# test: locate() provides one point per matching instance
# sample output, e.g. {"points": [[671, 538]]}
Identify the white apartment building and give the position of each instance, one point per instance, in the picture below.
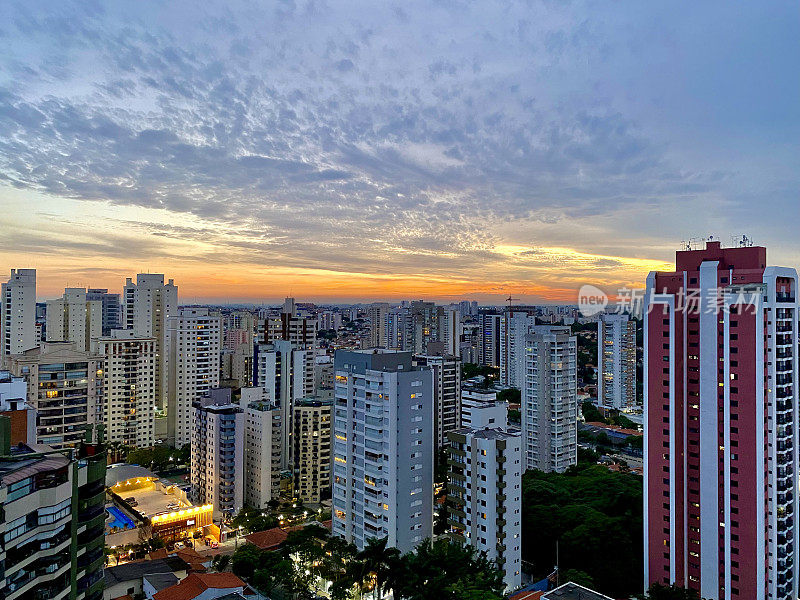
{"points": [[484, 493], [481, 408], [286, 374], [112, 309], [450, 330], [218, 450], [63, 388], [193, 360], [73, 318], [550, 399], [377, 314], [616, 361], [146, 306], [514, 326], [18, 312], [129, 387], [262, 448], [446, 389], [383, 449]]}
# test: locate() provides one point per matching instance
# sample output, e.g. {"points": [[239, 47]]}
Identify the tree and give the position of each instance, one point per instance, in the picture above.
{"points": [[442, 569], [595, 517], [254, 519], [591, 414], [246, 560], [576, 576], [381, 563], [510, 395]]}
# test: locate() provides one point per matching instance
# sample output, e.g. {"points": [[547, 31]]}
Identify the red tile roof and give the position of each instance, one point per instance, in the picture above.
{"points": [[156, 554], [526, 596], [197, 583], [269, 539]]}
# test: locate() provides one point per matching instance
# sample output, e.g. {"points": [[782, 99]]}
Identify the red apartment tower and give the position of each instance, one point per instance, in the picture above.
{"points": [[721, 456]]}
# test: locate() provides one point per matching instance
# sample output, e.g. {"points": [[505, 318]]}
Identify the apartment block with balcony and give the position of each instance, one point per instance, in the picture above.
{"points": [[18, 312], [64, 388], [384, 447], [484, 495], [720, 435], [194, 345], [446, 391], [549, 409], [616, 361], [312, 448], [128, 387], [262, 449], [52, 521], [218, 459]]}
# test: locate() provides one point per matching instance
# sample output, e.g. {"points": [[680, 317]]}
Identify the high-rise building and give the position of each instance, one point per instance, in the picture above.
{"points": [[286, 374], [450, 331], [63, 388], [147, 304], [514, 326], [378, 314], [550, 399], [481, 408], [262, 448], [18, 312], [484, 496], [193, 344], [383, 449], [312, 448], [399, 329], [289, 326], [616, 361], [112, 309], [73, 318], [218, 451], [446, 393], [52, 523], [129, 387], [489, 339], [721, 418]]}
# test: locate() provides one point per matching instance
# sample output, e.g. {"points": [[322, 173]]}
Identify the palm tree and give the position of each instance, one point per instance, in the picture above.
{"points": [[380, 563]]}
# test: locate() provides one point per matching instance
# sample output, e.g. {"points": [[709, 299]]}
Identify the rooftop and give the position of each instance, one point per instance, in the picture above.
{"points": [[573, 591], [197, 583], [137, 569]]}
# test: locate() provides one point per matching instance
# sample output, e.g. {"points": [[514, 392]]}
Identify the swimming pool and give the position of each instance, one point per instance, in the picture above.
{"points": [[120, 519]]}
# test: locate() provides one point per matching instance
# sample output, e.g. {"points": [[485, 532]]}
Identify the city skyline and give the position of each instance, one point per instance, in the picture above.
{"points": [[367, 153]]}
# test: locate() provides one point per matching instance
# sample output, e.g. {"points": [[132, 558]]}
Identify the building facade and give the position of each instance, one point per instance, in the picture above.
{"points": [[489, 339], [616, 361], [18, 312], [383, 449], [193, 361], [262, 450], [312, 448], [128, 387], [74, 318], [112, 308], [721, 452], [52, 521], [64, 388], [446, 393], [549, 409], [514, 326], [378, 314], [218, 445], [484, 496], [147, 304]]}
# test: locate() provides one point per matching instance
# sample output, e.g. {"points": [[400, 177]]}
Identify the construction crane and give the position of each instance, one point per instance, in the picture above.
{"points": [[510, 300]]}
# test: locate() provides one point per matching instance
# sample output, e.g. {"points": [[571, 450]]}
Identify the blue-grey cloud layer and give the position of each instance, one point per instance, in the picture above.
{"points": [[410, 129]]}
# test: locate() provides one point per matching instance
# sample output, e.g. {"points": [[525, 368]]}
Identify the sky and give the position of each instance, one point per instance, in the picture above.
{"points": [[349, 151]]}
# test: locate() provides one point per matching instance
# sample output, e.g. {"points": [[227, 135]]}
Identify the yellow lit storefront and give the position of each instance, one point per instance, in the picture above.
{"points": [[184, 523]]}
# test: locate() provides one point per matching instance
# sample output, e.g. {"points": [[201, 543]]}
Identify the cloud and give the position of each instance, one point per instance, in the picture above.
{"points": [[411, 138]]}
